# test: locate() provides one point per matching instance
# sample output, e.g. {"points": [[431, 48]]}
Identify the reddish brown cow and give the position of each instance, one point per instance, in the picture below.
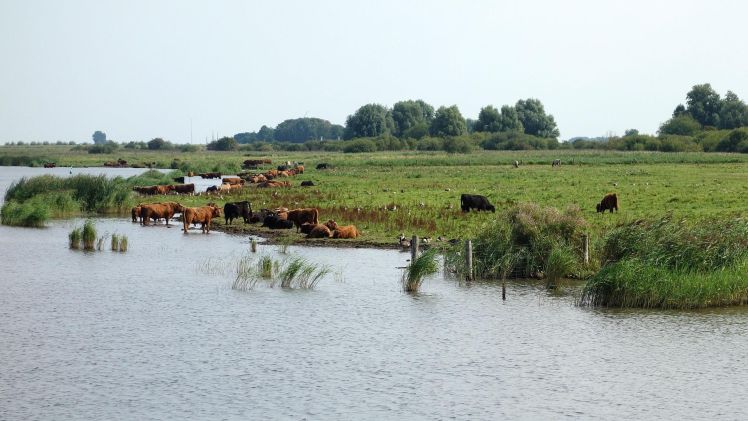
{"points": [[348, 231], [300, 216], [331, 224], [232, 180], [300, 169], [164, 189], [135, 213], [320, 231], [270, 184], [159, 210], [203, 215]]}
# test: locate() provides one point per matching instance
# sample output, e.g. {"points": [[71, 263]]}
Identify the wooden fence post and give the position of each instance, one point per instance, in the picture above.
{"points": [[586, 240], [413, 248], [469, 259]]}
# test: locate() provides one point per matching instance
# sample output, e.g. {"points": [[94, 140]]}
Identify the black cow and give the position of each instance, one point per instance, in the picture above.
{"points": [[179, 180], [307, 183], [233, 210], [475, 201], [323, 166], [211, 189], [275, 223]]}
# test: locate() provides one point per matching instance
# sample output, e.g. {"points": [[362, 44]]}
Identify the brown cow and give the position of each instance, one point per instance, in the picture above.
{"points": [[270, 184], [183, 188], [300, 169], [163, 189], [348, 231], [319, 231], [203, 215], [232, 180], [299, 216], [331, 224], [147, 190], [609, 202], [135, 213], [159, 210]]}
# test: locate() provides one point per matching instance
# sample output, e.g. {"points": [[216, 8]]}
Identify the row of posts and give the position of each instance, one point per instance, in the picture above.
{"points": [[469, 275]]}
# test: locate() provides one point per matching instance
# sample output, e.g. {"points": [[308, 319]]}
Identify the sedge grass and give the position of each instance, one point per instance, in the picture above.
{"points": [[74, 238], [423, 266], [115, 242], [88, 235], [123, 244]]}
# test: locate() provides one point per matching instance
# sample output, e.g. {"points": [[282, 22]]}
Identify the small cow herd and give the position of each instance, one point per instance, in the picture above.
{"points": [[481, 203], [305, 220]]}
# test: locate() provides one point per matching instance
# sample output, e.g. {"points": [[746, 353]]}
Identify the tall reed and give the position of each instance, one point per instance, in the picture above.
{"points": [[424, 265], [88, 235]]}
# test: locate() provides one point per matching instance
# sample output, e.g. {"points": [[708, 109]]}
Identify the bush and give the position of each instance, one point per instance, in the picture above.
{"points": [[360, 145]]}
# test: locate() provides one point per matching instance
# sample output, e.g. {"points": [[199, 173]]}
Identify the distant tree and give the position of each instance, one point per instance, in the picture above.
{"points": [[266, 134], [158, 144], [470, 124], [704, 105], [736, 141], [408, 114], [679, 110], [371, 120], [683, 125], [303, 129], [419, 131], [733, 112], [631, 132], [223, 144], [489, 120], [99, 137], [534, 119], [448, 121], [245, 137]]}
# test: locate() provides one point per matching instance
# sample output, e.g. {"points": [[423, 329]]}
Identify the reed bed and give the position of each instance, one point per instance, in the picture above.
{"points": [[668, 263], [421, 267]]}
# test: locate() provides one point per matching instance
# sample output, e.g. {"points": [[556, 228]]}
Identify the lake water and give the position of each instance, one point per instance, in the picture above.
{"points": [[152, 334]]}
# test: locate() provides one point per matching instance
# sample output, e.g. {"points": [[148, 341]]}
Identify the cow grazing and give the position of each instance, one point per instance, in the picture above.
{"points": [[233, 210], [516, 164], [232, 180], [323, 166], [609, 202], [275, 223], [165, 189], [300, 169], [319, 231], [211, 189], [556, 163], [202, 215], [475, 201], [307, 183], [159, 211], [300, 216], [183, 188], [347, 231]]}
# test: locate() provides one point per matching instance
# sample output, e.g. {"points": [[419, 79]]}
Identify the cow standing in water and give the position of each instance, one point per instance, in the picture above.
{"points": [[475, 201]]}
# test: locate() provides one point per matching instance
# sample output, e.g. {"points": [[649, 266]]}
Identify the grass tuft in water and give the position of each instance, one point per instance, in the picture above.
{"points": [[253, 246], [424, 265], [123, 243], [88, 235], [75, 237], [115, 242]]}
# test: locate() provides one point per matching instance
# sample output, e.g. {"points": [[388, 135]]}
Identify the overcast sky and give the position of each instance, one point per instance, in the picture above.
{"points": [[143, 69]]}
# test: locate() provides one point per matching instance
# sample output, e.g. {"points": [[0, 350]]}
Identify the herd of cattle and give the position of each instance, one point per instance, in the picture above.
{"points": [[306, 220]]}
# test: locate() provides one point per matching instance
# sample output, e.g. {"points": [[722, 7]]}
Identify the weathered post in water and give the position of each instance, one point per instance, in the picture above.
{"points": [[503, 290], [586, 245], [469, 260], [413, 248]]}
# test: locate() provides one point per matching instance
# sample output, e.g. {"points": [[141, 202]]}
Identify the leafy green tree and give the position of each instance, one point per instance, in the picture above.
{"points": [[704, 105], [733, 112], [419, 131], [448, 121], [223, 144], [631, 132], [158, 144], [409, 114], [303, 129], [679, 110], [683, 125], [736, 141], [245, 137], [489, 120], [534, 119], [266, 134], [371, 120], [99, 137]]}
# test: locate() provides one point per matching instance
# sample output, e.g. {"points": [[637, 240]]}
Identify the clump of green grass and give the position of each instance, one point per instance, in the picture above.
{"points": [[247, 275], [115, 242], [265, 267], [75, 237], [24, 214], [253, 246], [123, 243], [298, 272], [525, 241], [88, 235], [424, 265], [672, 264]]}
